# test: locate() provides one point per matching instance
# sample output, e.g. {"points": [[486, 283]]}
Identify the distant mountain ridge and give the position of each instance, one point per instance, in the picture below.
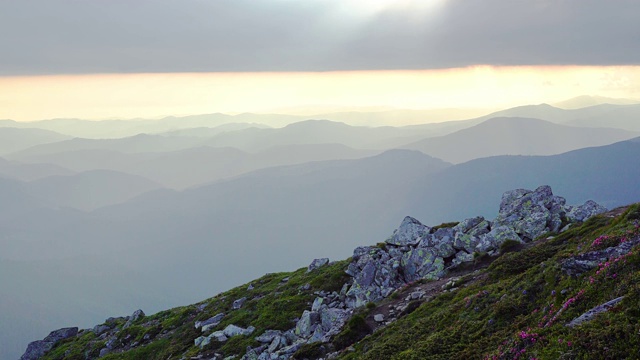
{"points": [[516, 136]]}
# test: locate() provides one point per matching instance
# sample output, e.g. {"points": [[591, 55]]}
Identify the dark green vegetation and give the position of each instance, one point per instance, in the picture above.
{"points": [[516, 308], [520, 307]]}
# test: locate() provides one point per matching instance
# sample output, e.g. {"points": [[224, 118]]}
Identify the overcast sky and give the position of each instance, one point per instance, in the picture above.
{"points": [[130, 36]]}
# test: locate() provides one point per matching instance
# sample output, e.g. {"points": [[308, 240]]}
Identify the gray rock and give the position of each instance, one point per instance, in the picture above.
{"points": [[585, 211], [275, 344], [317, 303], [218, 336], [250, 355], [238, 303], [410, 232], [591, 314], [212, 321], [317, 263], [138, 314], [37, 349], [422, 264], [268, 336], [104, 352], [378, 318], [441, 241], [461, 257], [496, 237], [233, 330], [528, 212], [332, 320], [100, 329], [199, 340], [465, 226], [580, 264], [306, 324]]}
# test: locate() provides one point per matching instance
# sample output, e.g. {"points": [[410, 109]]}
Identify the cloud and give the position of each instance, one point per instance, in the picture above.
{"points": [[122, 36]]}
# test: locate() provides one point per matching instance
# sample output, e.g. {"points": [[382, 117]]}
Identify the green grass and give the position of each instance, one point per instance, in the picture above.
{"points": [[522, 293]]}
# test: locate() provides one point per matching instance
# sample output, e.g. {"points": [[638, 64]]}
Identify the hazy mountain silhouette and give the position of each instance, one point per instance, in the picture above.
{"points": [[211, 131], [193, 166], [320, 132], [603, 115], [587, 100], [134, 144], [516, 136], [91, 189], [28, 172], [110, 129], [274, 219], [15, 139]]}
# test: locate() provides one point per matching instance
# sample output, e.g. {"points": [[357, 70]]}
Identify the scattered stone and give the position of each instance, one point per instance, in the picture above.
{"points": [[250, 287], [580, 264], [138, 314], [238, 303], [317, 263], [211, 322], [378, 318], [591, 314]]}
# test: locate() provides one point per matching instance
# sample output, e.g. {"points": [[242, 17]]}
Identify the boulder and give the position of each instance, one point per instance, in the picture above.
{"points": [[317, 263], [233, 330], [422, 264], [100, 329], [585, 211], [268, 336], [494, 238], [378, 318], [461, 257], [530, 213], [410, 232], [210, 322], [591, 314], [441, 241], [306, 324], [138, 314], [238, 303], [317, 303]]}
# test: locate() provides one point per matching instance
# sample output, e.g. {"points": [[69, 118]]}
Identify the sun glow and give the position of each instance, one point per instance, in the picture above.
{"points": [[149, 95], [376, 6]]}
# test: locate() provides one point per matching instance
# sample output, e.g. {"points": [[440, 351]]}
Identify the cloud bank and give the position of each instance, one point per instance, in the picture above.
{"points": [[120, 36]]}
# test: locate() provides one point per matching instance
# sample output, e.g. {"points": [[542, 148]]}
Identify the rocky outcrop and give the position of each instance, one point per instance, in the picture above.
{"points": [[416, 251], [37, 349]]}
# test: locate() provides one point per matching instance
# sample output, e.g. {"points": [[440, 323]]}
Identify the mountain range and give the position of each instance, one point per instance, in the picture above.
{"points": [[115, 222]]}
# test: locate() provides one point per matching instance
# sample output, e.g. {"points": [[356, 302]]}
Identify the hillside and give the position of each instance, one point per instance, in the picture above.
{"points": [[535, 282], [516, 136]]}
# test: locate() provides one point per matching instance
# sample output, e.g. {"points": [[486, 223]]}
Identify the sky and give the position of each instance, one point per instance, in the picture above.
{"points": [[120, 58]]}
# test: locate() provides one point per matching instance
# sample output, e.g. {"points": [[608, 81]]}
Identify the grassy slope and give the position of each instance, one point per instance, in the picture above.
{"points": [[501, 316], [505, 315]]}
